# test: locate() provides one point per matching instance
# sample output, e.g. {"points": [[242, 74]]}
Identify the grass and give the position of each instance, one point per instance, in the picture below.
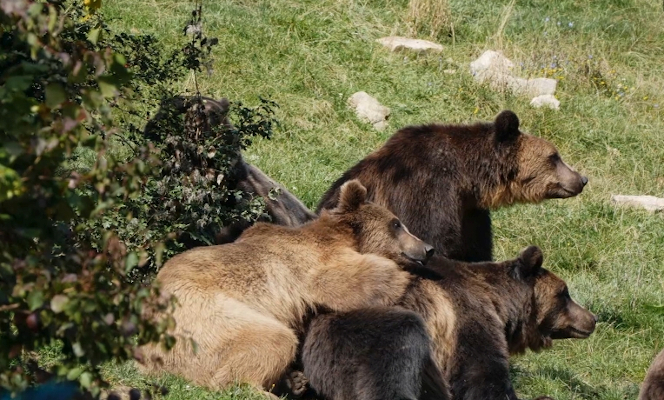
{"points": [[311, 55]]}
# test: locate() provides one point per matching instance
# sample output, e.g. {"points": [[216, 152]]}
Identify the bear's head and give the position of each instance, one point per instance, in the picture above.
{"points": [[536, 170], [554, 315], [376, 229]]}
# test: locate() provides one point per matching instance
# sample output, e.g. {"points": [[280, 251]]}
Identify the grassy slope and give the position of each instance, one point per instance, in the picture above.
{"points": [[310, 56]]}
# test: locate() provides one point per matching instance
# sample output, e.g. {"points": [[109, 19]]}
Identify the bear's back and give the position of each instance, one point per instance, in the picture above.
{"points": [[422, 175], [269, 267]]}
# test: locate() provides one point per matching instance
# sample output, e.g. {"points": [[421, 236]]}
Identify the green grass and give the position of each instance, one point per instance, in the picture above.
{"points": [[311, 55]]}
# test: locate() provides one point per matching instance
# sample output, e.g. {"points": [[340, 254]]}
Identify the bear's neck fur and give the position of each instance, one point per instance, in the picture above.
{"points": [[335, 228], [514, 303]]}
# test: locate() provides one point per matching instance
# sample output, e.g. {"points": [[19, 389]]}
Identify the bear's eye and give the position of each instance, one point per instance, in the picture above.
{"points": [[396, 224], [554, 158], [564, 293]]}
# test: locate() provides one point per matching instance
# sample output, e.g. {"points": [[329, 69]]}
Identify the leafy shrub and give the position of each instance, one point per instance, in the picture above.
{"points": [[73, 232]]}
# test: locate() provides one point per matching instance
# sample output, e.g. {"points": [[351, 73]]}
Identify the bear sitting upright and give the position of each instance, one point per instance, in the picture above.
{"points": [[245, 303], [476, 314], [441, 180]]}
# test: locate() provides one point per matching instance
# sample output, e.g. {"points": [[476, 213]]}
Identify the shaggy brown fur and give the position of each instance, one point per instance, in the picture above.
{"points": [[500, 309], [244, 303], [477, 315], [441, 180], [282, 207], [653, 385], [372, 354]]}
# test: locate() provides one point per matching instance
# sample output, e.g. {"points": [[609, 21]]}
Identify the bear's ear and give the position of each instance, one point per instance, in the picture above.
{"points": [[352, 195], [529, 262], [506, 126]]}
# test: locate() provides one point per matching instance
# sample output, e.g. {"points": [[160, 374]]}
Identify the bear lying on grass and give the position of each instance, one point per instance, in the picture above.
{"points": [[441, 180], [476, 314], [653, 385], [245, 303]]}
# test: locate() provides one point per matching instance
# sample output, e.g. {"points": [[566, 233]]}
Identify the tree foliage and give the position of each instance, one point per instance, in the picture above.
{"points": [[72, 235]]}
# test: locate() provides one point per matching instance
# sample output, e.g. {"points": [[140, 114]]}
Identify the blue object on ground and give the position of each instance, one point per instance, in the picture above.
{"points": [[47, 391]]}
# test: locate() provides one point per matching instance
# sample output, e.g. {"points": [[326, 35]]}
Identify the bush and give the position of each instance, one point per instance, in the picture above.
{"points": [[72, 233]]}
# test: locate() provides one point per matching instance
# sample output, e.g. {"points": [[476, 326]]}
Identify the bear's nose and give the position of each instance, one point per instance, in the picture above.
{"points": [[584, 180], [429, 251]]}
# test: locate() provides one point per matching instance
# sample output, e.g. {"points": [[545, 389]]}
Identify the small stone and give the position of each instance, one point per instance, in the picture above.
{"points": [[489, 65], [545, 100], [399, 43], [542, 86], [650, 203], [368, 109], [449, 71]]}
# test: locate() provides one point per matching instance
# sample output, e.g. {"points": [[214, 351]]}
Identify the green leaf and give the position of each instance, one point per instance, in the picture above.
{"points": [[85, 379], [58, 303], [92, 99], [18, 83], [35, 299], [78, 350], [107, 86], [120, 59], [93, 35], [74, 373], [131, 262], [55, 95]]}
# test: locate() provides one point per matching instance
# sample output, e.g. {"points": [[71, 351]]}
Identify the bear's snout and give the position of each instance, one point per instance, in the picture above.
{"points": [[584, 180], [577, 323], [417, 250]]}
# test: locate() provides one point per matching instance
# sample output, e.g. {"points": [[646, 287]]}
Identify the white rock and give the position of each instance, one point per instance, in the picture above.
{"points": [[398, 43], [541, 86], [491, 64], [496, 69], [449, 71], [545, 100], [650, 203], [369, 109]]}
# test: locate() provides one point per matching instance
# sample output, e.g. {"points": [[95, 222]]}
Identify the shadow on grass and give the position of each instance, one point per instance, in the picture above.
{"points": [[577, 387]]}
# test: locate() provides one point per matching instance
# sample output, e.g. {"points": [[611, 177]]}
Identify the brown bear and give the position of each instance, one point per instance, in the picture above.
{"points": [[441, 180], [476, 314], [653, 385], [282, 207], [372, 354], [245, 303]]}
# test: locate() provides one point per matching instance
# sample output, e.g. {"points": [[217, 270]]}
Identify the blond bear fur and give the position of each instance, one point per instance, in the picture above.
{"points": [[244, 303]]}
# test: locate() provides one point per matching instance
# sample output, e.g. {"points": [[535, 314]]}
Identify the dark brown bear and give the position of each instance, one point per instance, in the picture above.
{"points": [[372, 354], [282, 207], [653, 385], [476, 314], [441, 180]]}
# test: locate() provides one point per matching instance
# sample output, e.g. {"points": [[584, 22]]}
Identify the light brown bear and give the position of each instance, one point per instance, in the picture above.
{"points": [[442, 180], [245, 303]]}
